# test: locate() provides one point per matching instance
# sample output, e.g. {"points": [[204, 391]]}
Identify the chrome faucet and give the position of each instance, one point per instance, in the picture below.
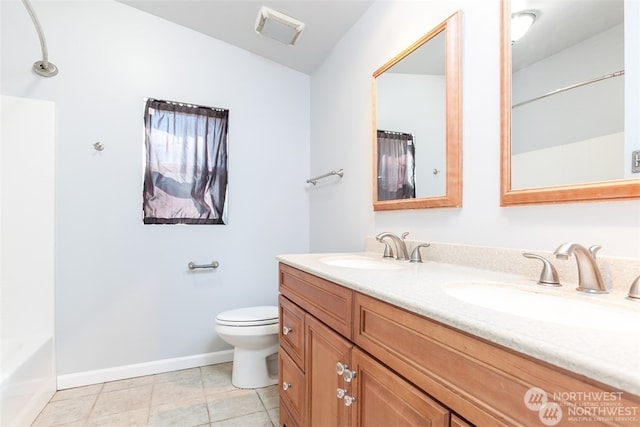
{"points": [[589, 278], [634, 290], [401, 247]]}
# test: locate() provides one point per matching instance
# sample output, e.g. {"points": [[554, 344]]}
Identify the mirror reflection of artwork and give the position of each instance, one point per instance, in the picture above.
{"points": [[396, 165], [185, 180]]}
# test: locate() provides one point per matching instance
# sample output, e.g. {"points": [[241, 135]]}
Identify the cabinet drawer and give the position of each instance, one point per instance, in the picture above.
{"points": [[292, 330], [292, 388], [483, 382], [330, 303]]}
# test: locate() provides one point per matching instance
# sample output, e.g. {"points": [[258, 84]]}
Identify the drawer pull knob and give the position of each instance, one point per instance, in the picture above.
{"points": [[286, 386], [340, 368], [349, 400], [349, 375], [341, 393], [286, 330]]}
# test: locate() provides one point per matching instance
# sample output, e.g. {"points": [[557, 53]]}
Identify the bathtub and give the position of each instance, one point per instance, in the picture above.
{"points": [[27, 379]]}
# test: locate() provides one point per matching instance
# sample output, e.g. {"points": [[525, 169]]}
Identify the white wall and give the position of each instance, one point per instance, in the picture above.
{"points": [[342, 214], [595, 159], [123, 292], [571, 116]]}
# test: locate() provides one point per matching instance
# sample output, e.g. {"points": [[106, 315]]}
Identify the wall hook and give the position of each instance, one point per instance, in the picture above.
{"points": [[99, 146]]}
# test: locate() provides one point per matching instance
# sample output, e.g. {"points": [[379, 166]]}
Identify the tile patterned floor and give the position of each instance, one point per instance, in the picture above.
{"points": [[188, 398]]}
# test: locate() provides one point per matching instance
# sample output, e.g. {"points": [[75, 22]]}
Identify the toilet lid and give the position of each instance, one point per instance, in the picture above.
{"points": [[249, 316]]}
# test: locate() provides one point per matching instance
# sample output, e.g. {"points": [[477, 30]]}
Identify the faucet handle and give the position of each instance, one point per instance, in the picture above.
{"points": [[634, 291], [593, 250], [415, 254], [388, 252], [548, 275]]}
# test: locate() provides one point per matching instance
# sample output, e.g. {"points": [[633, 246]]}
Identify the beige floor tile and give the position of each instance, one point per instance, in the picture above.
{"points": [[274, 414], [185, 413], [65, 411], [233, 404], [177, 375], [269, 396], [124, 400], [217, 384], [72, 393], [219, 369], [135, 418], [180, 389], [128, 383], [188, 398], [257, 419]]}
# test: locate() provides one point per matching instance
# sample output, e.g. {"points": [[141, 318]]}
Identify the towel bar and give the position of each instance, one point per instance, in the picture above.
{"points": [[193, 266], [313, 181]]}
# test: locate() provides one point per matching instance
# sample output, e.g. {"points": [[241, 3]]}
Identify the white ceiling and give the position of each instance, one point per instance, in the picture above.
{"points": [[233, 21], [327, 21], [560, 24]]}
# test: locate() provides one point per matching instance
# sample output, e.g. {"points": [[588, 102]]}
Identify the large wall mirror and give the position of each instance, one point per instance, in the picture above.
{"points": [[417, 121], [570, 108]]}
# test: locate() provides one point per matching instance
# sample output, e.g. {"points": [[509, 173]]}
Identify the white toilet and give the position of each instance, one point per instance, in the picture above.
{"points": [[253, 331]]}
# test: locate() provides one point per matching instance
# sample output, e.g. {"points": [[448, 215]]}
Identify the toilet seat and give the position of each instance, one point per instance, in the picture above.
{"points": [[249, 316]]}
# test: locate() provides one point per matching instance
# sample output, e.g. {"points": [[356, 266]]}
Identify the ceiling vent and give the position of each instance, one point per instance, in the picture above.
{"points": [[278, 26]]}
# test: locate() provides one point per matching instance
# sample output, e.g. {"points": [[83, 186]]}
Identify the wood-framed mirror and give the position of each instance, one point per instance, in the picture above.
{"points": [[567, 130], [417, 122]]}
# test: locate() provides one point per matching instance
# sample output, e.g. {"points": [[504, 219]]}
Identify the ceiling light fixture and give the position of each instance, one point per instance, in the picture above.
{"points": [[520, 24], [278, 26]]}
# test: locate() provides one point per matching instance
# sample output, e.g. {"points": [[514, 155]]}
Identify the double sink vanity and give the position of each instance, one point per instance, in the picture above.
{"points": [[372, 341]]}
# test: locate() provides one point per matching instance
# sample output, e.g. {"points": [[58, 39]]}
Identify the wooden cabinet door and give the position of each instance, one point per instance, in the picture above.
{"points": [[324, 349], [385, 399]]}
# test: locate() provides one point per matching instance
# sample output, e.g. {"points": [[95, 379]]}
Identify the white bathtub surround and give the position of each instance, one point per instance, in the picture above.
{"points": [[27, 376], [28, 379], [618, 273], [606, 352]]}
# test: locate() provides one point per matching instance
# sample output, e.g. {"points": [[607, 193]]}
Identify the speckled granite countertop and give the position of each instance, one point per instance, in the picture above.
{"points": [[606, 351]]}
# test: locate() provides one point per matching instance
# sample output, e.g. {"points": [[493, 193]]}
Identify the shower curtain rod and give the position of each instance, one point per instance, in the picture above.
{"points": [[43, 68], [564, 89]]}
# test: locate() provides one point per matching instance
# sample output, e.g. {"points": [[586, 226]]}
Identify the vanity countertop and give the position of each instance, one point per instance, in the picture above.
{"points": [[606, 353]]}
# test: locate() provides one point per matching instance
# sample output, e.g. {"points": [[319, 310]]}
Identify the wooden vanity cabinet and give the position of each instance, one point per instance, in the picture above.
{"points": [[409, 370], [375, 396]]}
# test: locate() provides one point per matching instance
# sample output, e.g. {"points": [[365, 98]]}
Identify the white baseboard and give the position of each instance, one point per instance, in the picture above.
{"points": [[140, 369]]}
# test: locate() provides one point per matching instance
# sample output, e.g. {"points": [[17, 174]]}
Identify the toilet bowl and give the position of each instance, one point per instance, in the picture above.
{"points": [[253, 332]]}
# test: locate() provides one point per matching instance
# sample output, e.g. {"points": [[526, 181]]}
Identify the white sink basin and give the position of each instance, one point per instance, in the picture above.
{"points": [[577, 310], [360, 262]]}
